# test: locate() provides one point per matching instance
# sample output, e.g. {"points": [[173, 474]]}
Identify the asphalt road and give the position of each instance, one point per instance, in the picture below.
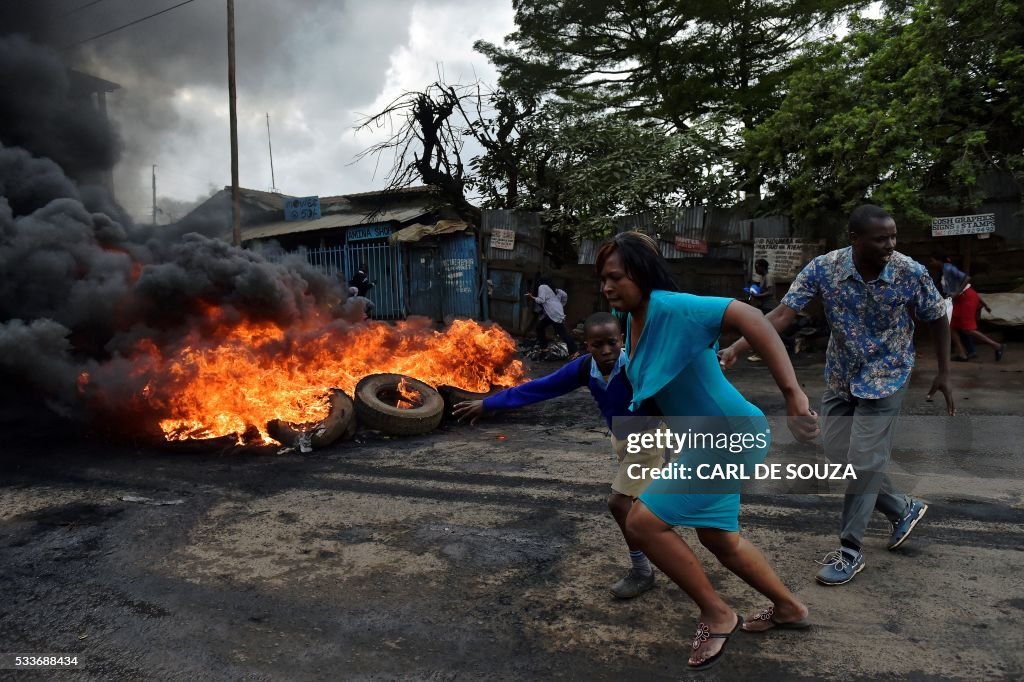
{"points": [[487, 551]]}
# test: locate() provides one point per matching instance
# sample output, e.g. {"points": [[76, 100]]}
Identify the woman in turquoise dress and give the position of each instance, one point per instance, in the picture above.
{"points": [[671, 341]]}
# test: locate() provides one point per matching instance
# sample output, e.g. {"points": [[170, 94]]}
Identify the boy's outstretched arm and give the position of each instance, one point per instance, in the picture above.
{"points": [[566, 379]]}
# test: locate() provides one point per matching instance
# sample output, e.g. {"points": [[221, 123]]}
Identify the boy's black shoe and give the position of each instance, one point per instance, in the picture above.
{"points": [[632, 585]]}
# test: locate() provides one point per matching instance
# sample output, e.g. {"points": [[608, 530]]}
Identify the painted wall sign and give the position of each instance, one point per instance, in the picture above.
{"points": [[786, 255], [376, 231], [690, 245], [980, 223], [302, 208], [503, 239], [458, 274]]}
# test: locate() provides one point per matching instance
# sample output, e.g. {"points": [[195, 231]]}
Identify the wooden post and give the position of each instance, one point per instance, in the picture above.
{"points": [[154, 194], [236, 224], [966, 244]]}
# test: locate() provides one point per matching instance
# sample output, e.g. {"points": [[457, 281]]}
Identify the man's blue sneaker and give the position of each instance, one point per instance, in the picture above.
{"points": [[901, 529], [839, 567]]}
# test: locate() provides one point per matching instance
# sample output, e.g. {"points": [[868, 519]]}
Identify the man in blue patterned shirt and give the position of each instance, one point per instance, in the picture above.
{"points": [[869, 291]]}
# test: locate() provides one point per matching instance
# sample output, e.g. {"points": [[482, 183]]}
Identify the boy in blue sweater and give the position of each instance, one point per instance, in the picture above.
{"points": [[603, 371]]}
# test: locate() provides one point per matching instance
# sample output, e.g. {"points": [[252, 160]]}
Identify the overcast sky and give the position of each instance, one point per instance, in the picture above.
{"points": [[316, 66]]}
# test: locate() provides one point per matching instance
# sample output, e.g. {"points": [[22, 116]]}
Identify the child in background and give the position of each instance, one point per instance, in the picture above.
{"points": [[602, 370], [963, 324]]}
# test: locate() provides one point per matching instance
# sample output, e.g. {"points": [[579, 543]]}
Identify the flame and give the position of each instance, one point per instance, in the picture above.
{"points": [[407, 397], [232, 377]]}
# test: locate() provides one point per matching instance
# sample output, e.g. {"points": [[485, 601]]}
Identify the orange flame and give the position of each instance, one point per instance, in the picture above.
{"points": [[251, 373], [408, 397]]}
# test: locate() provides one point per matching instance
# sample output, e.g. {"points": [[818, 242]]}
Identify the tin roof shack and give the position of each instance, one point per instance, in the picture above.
{"points": [[442, 260], [213, 216], [709, 252], [338, 234], [391, 209]]}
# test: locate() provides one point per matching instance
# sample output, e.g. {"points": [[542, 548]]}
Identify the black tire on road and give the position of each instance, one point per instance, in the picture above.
{"points": [[453, 396], [375, 409]]}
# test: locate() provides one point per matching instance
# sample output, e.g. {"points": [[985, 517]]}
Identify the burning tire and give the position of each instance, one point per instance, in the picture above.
{"points": [[397, 405], [453, 396], [339, 424]]}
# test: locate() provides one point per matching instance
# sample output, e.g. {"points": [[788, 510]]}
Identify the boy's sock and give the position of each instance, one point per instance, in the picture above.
{"points": [[850, 544], [641, 566]]}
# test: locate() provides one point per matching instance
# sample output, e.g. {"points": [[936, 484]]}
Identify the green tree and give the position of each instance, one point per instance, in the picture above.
{"points": [[682, 64], [909, 111], [581, 170]]}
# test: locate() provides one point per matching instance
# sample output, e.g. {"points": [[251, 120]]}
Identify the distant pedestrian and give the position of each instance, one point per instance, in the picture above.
{"points": [[361, 280], [868, 291], [362, 303], [553, 315], [761, 293], [966, 304], [764, 298]]}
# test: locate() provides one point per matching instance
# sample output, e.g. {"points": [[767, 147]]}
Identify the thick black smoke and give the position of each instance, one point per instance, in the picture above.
{"points": [[81, 286], [38, 111], [321, 55]]}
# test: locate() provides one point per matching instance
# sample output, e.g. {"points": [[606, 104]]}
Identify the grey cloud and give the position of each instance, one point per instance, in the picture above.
{"points": [[314, 54]]}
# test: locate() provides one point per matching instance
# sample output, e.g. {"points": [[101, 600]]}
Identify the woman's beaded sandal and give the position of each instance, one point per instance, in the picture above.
{"points": [[703, 635], [768, 616]]}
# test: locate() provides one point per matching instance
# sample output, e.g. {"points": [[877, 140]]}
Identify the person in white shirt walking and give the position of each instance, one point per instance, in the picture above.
{"points": [[553, 315]]}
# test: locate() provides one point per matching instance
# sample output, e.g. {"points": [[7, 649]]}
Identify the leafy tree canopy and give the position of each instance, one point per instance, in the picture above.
{"points": [[711, 65], [910, 111]]}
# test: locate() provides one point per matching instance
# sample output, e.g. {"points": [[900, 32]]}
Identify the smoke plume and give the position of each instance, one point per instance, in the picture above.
{"points": [[83, 288]]}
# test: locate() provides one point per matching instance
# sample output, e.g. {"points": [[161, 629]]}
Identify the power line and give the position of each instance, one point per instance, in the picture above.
{"points": [[131, 23], [72, 11]]}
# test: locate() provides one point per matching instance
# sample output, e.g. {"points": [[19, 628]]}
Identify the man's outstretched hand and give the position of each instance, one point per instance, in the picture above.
{"points": [[941, 383], [727, 357]]}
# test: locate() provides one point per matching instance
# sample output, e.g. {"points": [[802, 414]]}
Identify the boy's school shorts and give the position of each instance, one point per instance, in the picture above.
{"points": [[647, 458]]}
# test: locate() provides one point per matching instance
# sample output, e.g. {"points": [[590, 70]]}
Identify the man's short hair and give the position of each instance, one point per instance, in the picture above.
{"points": [[598, 319], [761, 262], [866, 214]]}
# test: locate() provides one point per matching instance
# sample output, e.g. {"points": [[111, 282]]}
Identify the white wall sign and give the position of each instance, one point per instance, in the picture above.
{"points": [[980, 223], [503, 239], [786, 255]]}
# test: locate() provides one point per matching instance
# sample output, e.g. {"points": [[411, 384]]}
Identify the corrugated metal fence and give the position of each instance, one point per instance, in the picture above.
{"points": [[385, 269], [459, 290], [507, 269], [698, 232]]}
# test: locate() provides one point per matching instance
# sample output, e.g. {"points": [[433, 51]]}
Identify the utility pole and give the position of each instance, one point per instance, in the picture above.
{"points": [[154, 194], [236, 225], [273, 183]]}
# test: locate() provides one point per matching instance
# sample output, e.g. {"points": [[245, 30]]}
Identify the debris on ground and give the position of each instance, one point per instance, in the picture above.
{"points": [[148, 500]]}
